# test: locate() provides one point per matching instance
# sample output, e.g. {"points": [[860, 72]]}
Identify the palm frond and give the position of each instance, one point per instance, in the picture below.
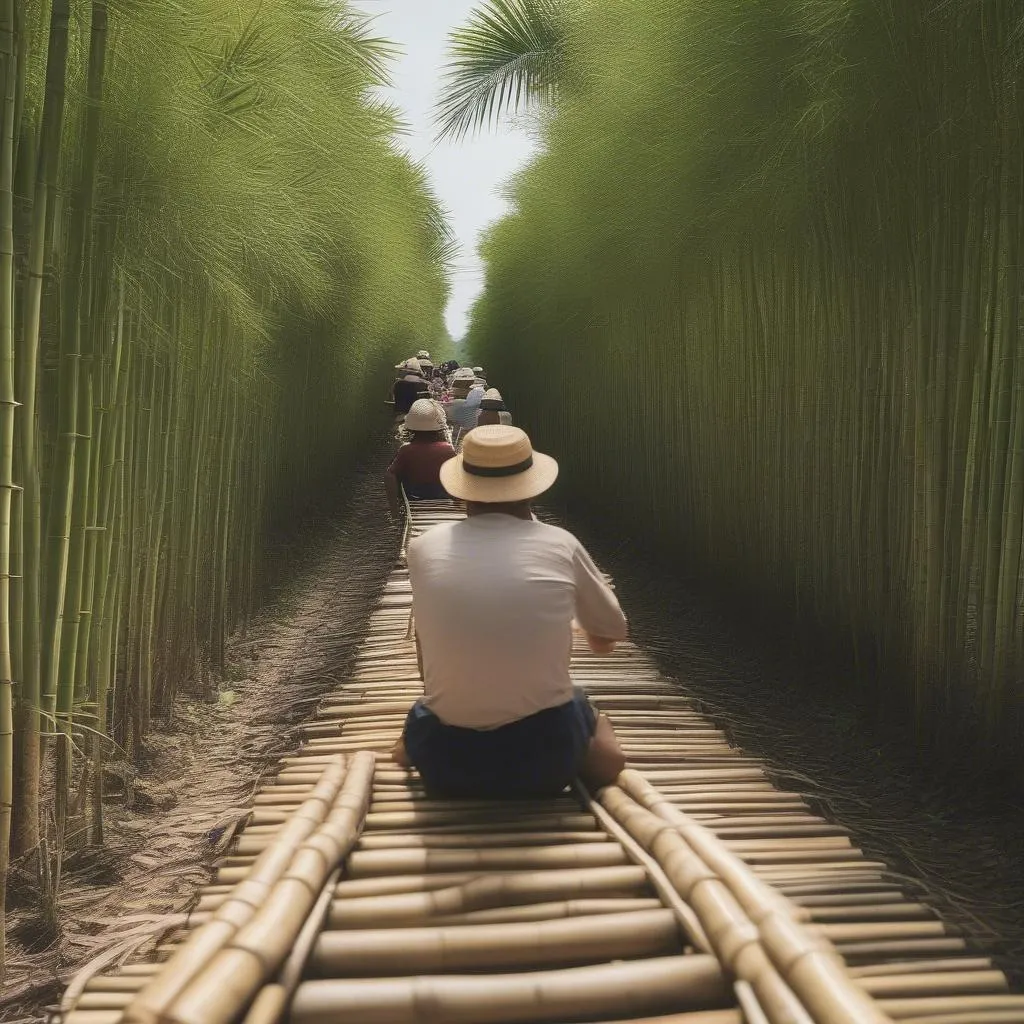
{"points": [[509, 54]]}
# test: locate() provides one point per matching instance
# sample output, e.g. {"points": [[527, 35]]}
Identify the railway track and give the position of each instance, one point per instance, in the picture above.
{"points": [[693, 892]]}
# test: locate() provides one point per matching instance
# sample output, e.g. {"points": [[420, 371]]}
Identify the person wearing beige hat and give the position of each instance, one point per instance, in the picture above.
{"points": [[426, 364], [495, 596], [409, 385], [417, 466], [492, 410]]}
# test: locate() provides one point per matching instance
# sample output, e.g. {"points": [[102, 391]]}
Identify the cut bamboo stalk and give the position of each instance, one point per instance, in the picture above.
{"points": [[478, 840], [404, 862], [806, 963], [153, 1002], [551, 911], [966, 963], [229, 982], [699, 1017], [634, 988], [934, 984], [496, 946], [915, 1009]]}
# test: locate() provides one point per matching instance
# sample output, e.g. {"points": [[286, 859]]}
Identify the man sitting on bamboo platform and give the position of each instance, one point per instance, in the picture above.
{"points": [[494, 598]]}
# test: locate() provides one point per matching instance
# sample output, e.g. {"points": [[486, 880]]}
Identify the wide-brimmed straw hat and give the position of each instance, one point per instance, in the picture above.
{"points": [[423, 354], [424, 414], [464, 373], [498, 464]]}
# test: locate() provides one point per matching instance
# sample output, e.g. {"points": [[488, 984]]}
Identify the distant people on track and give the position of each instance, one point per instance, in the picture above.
{"points": [[463, 408], [417, 466], [408, 387], [426, 366], [493, 411], [495, 597]]}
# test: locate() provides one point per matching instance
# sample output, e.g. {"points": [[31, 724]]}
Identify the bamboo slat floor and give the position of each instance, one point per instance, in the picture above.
{"points": [[693, 892]]}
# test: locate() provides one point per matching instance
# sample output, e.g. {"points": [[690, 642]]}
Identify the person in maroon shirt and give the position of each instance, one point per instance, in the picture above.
{"points": [[417, 466]]}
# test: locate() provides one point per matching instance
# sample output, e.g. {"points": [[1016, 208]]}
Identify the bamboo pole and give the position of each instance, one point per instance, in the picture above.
{"points": [[9, 79], [231, 979], [476, 947], [156, 999], [38, 689], [743, 918], [640, 987]]}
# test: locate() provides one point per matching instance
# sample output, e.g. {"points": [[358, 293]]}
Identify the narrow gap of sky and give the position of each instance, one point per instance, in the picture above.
{"points": [[466, 175]]}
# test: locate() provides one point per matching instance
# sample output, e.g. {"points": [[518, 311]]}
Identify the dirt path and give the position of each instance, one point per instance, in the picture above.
{"points": [[204, 769]]}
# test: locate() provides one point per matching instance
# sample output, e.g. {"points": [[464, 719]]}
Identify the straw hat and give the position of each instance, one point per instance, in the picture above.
{"points": [[464, 373], [492, 400], [498, 463], [423, 354], [424, 414]]}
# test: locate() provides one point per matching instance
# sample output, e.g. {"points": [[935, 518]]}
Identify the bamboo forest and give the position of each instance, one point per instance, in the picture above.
{"points": [[304, 304]]}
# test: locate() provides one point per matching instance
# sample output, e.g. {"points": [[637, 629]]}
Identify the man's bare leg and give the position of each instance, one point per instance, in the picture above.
{"points": [[604, 758]]}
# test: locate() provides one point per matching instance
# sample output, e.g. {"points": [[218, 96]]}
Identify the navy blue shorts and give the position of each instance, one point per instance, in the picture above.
{"points": [[537, 756]]}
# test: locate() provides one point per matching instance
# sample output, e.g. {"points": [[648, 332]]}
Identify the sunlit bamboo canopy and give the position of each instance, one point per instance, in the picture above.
{"points": [[760, 291], [211, 242]]}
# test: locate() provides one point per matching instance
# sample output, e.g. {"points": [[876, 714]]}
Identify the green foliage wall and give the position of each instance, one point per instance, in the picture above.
{"points": [[760, 293], [209, 244]]}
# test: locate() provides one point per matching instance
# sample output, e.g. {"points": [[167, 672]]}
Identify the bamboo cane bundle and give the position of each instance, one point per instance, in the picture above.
{"points": [[734, 933], [241, 906], [275, 888], [233, 977]]}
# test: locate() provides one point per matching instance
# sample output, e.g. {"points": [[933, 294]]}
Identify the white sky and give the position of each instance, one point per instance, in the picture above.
{"points": [[467, 175]]}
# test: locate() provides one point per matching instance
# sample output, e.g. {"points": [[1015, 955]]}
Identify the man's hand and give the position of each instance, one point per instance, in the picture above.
{"points": [[600, 644]]}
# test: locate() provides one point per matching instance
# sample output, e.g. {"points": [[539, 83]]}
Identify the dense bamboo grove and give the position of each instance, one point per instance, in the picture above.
{"points": [[761, 293], [208, 244]]}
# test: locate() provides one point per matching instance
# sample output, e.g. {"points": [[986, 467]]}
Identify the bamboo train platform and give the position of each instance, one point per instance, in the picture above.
{"points": [[692, 892]]}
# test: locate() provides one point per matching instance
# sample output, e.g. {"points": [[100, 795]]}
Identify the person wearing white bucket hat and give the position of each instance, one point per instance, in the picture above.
{"points": [[494, 600], [417, 466]]}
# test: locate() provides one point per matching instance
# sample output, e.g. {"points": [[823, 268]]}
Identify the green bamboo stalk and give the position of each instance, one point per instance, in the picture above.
{"points": [[153, 538], [36, 656], [9, 78], [104, 604], [70, 500]]}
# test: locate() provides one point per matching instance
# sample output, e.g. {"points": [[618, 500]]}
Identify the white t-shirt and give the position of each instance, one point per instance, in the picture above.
{"points": [[494, 598]]}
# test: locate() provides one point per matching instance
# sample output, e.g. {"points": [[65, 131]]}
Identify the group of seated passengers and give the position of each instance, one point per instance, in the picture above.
{"points": [[436, 416], [496, 598]]}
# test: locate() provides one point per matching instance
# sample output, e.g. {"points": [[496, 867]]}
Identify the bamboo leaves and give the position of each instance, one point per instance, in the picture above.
{"points": [[782, 241], [210, 204], [510, 53]]}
